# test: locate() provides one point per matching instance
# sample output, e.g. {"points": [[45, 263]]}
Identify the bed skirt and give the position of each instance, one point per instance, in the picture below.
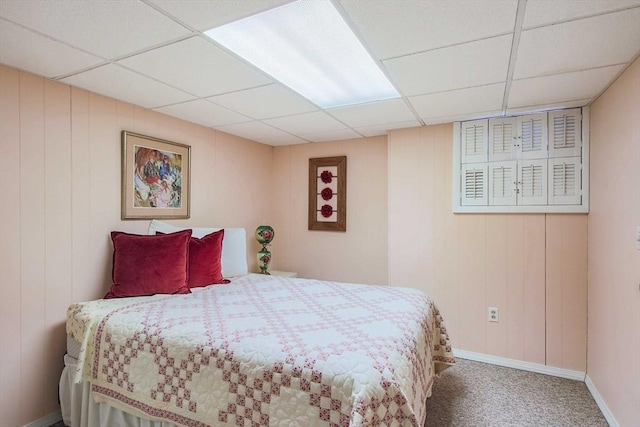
{"points": [[79, 409]]}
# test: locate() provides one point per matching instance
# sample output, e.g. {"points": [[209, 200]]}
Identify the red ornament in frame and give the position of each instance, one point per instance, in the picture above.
{"points": [[328, 193]]}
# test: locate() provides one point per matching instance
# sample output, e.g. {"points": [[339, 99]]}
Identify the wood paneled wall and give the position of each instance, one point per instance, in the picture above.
{"points": [[357, 255], [614, 260], [531, 266], [60, 187]]}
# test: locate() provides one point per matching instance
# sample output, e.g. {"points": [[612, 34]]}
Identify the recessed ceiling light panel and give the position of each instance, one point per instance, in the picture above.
{"points": [[309, 47]]}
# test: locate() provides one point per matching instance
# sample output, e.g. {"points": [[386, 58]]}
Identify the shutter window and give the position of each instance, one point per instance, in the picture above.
{"points": [[474, 141], [502, 133], [474, 185], [531, 163], [533, 136], [565, 133], [502, 188], [532, 182], [565, 176]]}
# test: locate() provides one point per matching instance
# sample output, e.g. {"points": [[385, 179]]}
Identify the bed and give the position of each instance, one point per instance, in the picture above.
{"points": [[258, 351]]}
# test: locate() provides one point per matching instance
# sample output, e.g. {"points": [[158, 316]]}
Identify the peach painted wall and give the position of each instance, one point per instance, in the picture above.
{"points": [[614, 261], [360, 253], [531, 266], [60, 187], [60, 183]]}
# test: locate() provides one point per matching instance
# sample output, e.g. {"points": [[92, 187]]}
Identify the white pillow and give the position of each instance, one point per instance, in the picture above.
{"points": [[234, 245]]}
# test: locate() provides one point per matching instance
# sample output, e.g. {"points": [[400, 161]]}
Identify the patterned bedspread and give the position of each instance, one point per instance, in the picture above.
{"points": [[265, 351]]}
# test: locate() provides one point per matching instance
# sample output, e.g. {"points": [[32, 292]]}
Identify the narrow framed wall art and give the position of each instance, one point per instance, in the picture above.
{"points": [[328, 193], [155, 177]]}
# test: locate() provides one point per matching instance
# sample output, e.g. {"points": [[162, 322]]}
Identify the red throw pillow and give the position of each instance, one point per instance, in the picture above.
{"points": [[148, 265], [205, 260]]}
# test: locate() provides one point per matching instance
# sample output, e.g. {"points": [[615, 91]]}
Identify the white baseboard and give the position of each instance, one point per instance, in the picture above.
{"points": [[519, 364], [47, 420], [603, 406]]}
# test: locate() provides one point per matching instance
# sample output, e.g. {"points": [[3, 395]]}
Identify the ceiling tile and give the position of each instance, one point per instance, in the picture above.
{"points": [[102, 27], [461, 117], [459, 102], [285, 139], [210, 70], [395, 110], [384, 129], [44, 53], [592, 42], [206, 14], [116, 82], [561, 87], [391, 28], [334, 135], [306, 123], [544, 12], [449, 59], [203, 112], [471, 64], [254, 130], [265, 102], [547, 107]]}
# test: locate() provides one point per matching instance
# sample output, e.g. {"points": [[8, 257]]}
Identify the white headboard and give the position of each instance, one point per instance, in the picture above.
{"points": [[234, 245]]}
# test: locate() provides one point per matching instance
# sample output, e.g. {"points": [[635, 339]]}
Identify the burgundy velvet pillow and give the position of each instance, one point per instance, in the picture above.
{"points": [[148, 265], [205, 260]]}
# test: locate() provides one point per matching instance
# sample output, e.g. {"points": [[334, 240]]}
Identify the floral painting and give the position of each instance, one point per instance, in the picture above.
{"points": [[155, 177]]}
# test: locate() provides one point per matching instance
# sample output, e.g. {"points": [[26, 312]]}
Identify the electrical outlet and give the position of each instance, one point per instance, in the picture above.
{"points": [[493, 314]]}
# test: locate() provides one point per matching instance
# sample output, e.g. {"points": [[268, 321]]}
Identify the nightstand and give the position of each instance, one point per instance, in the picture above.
{"points": [[283, 273]]}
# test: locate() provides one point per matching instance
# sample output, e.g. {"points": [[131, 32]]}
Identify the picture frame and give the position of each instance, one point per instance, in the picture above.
{"points": [[156, 178], [328, 193]]}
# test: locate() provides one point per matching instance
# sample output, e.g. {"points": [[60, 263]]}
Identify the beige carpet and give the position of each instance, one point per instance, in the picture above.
{"points": [[477, 394]]}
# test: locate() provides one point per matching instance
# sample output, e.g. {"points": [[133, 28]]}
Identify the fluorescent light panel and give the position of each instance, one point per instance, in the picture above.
{"points": [[309, 47]]}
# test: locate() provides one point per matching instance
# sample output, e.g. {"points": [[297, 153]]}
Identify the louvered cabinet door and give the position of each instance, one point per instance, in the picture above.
{"points": [[474, 136], [474, 183], [532, 182], [565, 178], [532, 163], [532, 136], [565, 133], [502, 139], [502, 183]]}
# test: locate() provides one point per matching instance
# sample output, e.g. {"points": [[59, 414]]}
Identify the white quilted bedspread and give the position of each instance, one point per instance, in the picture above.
{"points": [[265, 351]]}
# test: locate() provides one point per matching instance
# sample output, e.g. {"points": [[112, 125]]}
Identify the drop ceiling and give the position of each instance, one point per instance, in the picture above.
{"points": [[450, 60]]}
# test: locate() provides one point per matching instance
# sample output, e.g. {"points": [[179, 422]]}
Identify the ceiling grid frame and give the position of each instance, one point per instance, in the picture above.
{"points": [[59, 31]]}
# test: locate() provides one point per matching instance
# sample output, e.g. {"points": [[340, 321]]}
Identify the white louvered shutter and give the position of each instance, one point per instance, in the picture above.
{"points": [[565, 178], [474, 138], [565, 133], [474, 185], [532, 182], [532, 136], [531, 163], [502, 183], [502, 138]]}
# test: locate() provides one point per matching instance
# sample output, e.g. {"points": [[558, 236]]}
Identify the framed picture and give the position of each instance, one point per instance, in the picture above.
{"points": [[328, 193], [155, 177]]}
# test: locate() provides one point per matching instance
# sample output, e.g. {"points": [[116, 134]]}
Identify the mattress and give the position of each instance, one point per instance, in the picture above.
{"points": [[262, 350]]}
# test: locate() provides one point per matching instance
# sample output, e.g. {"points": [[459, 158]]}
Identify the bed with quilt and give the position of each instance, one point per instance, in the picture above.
{"points": [[256, 350]]}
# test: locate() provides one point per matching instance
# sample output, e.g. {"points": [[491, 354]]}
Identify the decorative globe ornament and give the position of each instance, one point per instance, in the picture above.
{"points": [[264, 236]]}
